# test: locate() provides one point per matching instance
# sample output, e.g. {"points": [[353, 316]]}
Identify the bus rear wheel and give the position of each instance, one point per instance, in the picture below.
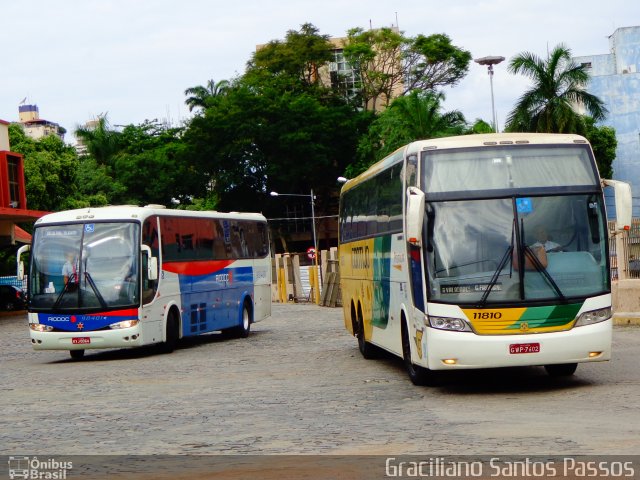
{"points": [[367, 350], [242, 330], [561, 370], [76, 354]]}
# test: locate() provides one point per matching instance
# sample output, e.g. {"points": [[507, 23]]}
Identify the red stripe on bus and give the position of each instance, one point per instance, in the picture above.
{"points": [[129, 312], [196, 268]]}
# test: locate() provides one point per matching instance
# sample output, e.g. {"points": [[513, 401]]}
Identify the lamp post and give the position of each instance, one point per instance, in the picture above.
{"points": [[490, 62], [313, 224]]}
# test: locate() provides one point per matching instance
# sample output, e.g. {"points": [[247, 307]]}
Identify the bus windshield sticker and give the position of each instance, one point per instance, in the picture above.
{"points": [[469, 288], [89, 228], [60, 233], [524, 205]]}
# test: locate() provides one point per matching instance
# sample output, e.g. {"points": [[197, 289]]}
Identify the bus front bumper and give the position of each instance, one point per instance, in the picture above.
{"points": [[463, 350], [117, 338]]}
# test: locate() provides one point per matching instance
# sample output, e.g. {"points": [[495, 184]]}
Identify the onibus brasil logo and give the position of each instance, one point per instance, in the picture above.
{"points": [[34, 468]]}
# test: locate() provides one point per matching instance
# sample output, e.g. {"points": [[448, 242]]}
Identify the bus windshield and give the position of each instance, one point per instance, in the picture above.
{"points": [[507, 167], [513, 249], [85, 266]]}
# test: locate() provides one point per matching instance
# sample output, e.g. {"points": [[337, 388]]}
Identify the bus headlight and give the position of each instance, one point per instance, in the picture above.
{"points": [[39, 327], [449, 323], [124, 324], [593, 316]]}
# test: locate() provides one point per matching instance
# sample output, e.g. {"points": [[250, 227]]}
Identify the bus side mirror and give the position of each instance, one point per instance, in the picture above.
{"points": [[415, 215], [622, 192], [20, 263], [152, 263]]}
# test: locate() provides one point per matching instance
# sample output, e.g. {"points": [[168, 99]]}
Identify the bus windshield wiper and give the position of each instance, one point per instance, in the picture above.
{"points": [[91, 283], [494, 279], [505, 258], [94, 287], [541, 268]]}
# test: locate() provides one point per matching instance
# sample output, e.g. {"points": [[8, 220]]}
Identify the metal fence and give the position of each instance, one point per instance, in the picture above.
{"points": [[13, 280], [630, 256]]}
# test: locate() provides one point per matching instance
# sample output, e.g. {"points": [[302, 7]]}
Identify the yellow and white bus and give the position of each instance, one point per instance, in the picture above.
{"points": [[433, 237]]}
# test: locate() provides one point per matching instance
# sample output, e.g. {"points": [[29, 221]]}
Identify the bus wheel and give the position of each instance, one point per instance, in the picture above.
{"points": [[417, 374], [561, 370], [76, 354], [173, 334], [242, 330], [367, 350]]}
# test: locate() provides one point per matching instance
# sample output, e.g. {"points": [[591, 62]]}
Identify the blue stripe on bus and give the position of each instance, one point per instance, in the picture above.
{"points": [[86, 322], [214, 302]]}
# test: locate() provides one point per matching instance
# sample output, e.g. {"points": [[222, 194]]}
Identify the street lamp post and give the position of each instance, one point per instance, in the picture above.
{"points": [[490, 62], [313, 223]]}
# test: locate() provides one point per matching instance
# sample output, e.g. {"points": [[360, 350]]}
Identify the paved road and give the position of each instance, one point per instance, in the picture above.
{"points": [[298, 385]]}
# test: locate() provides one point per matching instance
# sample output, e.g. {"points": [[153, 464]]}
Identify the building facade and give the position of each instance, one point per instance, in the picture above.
{"points": [[36, 127], [13, 198], [615, 79]]}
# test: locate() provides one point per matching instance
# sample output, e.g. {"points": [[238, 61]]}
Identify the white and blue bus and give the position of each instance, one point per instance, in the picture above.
{"points": [[480, 251], [125, 276]]}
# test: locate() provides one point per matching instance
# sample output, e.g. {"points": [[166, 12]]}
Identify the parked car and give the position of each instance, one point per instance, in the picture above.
{"points": [[12, 298]]}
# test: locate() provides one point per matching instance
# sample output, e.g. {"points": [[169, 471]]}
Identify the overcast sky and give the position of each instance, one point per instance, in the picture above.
{"points": [[133, 59]]}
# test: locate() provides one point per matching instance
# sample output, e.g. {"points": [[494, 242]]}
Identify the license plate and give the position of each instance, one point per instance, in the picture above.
{"points": [[524, 348], [81, 340]]}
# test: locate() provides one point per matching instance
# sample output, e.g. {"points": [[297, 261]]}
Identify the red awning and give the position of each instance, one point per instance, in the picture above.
{"points": [[22, 236]]}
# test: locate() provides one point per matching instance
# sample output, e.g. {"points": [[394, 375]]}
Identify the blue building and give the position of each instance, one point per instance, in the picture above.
{"points": [[615, 79]]}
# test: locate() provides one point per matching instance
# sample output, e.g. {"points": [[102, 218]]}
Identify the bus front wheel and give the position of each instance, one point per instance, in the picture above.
{"points": [[561, 370], [172, 333], [76, 354], [418, 375]]}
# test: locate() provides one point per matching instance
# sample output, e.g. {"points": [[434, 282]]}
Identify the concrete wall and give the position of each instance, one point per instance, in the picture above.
{"points": [[625, 297], [4, 135]]}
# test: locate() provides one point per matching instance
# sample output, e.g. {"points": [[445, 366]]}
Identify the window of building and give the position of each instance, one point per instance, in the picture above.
{"points": [[14, 182]]}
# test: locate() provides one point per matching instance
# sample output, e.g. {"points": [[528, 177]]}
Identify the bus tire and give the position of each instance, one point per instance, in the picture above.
{"points": [[367, 350], [418, 375], [76, 354], [561, 370], [172, 333], [242, 330]]}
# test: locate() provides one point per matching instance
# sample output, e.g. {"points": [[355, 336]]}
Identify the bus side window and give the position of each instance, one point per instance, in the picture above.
{"points": [[149, 287]]}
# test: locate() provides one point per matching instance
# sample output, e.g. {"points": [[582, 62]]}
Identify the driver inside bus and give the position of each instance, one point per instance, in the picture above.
{"points": [[70, 269], [543, 240], [540, 248]]}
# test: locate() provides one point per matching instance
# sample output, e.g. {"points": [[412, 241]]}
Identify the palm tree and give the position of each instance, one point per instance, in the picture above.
{"points": [[101, 141], [417, 116], [200, 96], [421, 116], [558, 89]]}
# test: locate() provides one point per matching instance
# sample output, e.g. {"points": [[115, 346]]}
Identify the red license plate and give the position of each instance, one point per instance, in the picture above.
{"points": [[524, 348], [81, 340]]}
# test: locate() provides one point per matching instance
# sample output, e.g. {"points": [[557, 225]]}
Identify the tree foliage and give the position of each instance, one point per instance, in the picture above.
{"points": [[50, 168], [604, 143], [299, 56], [558, 88], [200, 97], [418, 116], [264, 137], [433, 61], [390, 64]]}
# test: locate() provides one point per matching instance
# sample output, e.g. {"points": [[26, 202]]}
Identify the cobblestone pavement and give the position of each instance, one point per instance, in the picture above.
{"points": [[298, 385]]}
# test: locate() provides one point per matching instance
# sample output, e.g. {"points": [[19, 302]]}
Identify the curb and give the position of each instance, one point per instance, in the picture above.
{"points": [[626, 318]]}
